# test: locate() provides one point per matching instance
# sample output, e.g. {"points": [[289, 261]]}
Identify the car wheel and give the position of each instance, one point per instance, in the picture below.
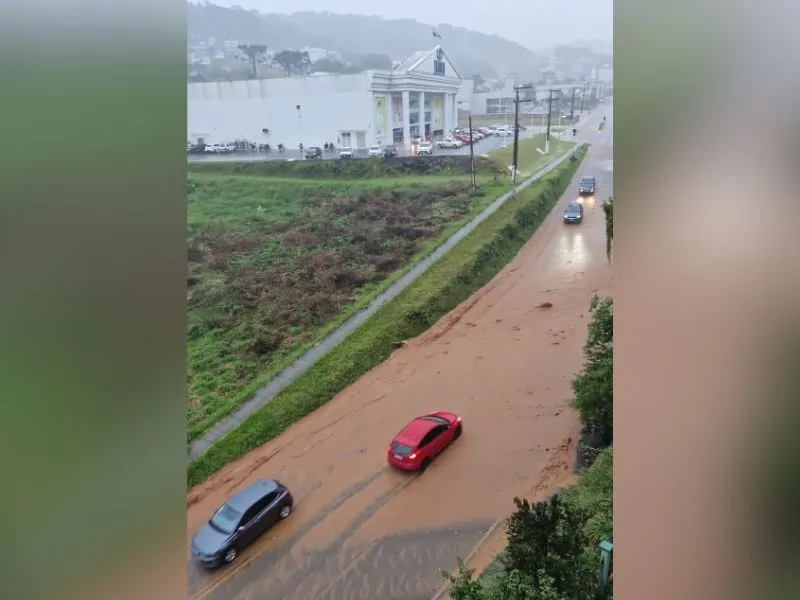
{"points": [[230, 555], [286, 510], [457, 433], [426, 462]]}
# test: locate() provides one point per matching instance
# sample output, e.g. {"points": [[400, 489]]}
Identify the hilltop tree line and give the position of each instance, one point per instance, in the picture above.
{"points": [[298, 62], [553, 546]]}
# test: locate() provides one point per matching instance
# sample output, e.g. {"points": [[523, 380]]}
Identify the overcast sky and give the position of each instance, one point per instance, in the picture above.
{"points": [[536, 24]]}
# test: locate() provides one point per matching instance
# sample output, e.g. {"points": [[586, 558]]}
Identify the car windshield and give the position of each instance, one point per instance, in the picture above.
{"points": [[436, 419], [573, 209], [400, 449], [587, 180], [225, 519], [374, 147]]}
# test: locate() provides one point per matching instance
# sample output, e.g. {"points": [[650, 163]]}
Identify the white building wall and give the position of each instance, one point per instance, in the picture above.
{"points": [[225, 111]]}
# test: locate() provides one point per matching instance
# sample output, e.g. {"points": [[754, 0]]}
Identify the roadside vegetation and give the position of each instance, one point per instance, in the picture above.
{"points": [[275, 264], [608, 211], [553, 546], [529, 159], [467, 267], [336, 170]]}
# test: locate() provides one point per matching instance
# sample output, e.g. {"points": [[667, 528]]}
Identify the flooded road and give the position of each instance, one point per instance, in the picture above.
{"points": [[503, 360]]}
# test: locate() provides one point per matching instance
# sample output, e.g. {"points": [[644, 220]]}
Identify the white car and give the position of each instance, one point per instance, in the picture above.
{"points": [[375, 151], [346, 153], [425, 148], [450, 143], [213, 148], [225, 148]]}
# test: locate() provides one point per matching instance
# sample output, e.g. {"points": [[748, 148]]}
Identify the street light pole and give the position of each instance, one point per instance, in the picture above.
{"points": [[572, 108], [471, 153], [517, 88], [549, 114]]}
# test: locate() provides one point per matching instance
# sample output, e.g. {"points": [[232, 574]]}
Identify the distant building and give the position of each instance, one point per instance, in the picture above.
{"points": [[417, 98]]}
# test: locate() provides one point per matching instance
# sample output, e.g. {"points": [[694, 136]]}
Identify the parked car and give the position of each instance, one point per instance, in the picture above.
{"points": [[240, 521], [423, 439], [346, 152], [464, 139], [587, 185], [573, 213], [213, 148], [313, 152], [197, 149], [450, 143], [425, 149], [375, 151], [389, 150], [227, 148]]}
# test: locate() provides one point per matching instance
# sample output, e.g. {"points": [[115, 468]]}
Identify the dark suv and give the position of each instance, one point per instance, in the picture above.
{"points": [[390, 150], [240, 521], [587, 185], [573, 213], [313, 152]]}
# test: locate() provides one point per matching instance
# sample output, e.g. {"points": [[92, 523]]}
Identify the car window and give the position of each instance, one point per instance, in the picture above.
{"points": [[432, 435], [401, 449], [264, 503], [226, 519], [435, 419]]}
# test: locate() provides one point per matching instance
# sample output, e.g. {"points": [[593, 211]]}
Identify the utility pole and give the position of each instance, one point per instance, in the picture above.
{"points": [[572, 108], [517, 88], [471, 154], [583, 97], [549, 114]]}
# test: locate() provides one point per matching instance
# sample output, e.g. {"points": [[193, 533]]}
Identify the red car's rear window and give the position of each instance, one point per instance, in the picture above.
{"points": [[400, 449]]}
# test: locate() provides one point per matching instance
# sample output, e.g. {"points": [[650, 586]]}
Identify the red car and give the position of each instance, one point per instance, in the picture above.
{"points": [[463, 138], [422, 440]]}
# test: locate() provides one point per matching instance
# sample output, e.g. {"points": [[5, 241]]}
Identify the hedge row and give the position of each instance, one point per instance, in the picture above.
{"points": [[352, 169], [456, 276]]}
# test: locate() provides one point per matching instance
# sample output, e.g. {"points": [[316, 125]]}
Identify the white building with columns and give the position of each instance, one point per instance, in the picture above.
{"points": [[416, 99]]}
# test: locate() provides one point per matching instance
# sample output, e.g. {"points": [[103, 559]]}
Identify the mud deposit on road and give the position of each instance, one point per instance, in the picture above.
{"points": [[363, 530]]}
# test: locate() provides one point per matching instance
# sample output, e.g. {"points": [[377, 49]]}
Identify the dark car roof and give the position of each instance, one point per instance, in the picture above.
{"points": [[245, 498], [572, 206]]}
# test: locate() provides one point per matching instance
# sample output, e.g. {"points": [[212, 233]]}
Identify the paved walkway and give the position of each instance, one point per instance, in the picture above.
{"points": [[301, 365]]}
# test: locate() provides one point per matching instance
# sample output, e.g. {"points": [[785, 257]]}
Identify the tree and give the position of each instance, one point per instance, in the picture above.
{"points": [[293, 61], [462, 585], [255, 54], [329, 65], [548, 538], [594, 385], [608, 209], [380, 62]]}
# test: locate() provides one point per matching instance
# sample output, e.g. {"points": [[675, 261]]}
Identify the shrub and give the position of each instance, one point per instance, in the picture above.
{"points": [[594, 385]]}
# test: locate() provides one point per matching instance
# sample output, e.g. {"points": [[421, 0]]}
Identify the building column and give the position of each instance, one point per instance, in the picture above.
{"points": [[452, 122], [455, 110], [406, 121], [422, 115], [447, 118]]}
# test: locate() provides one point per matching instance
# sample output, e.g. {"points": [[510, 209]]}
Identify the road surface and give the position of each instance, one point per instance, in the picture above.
{"points": [[503, 361]]}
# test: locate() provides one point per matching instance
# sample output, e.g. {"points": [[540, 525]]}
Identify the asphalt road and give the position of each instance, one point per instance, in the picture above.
{"points": [[503, 361], [481, 147]]}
